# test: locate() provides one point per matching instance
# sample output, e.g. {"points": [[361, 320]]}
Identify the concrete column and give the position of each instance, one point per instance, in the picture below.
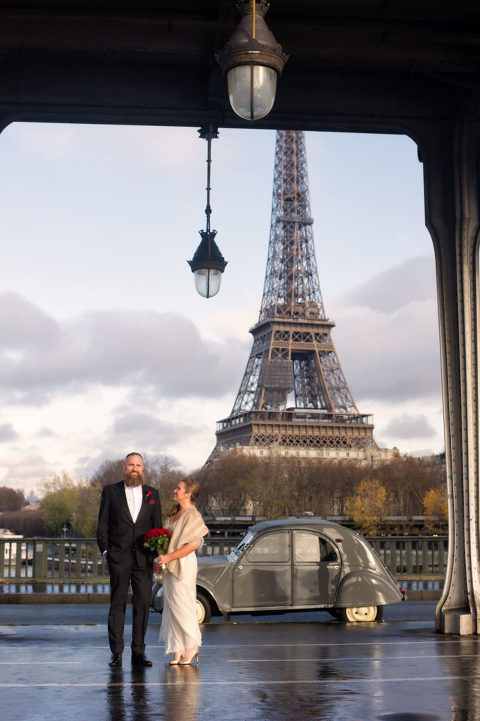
{"points": [[451, 164]]}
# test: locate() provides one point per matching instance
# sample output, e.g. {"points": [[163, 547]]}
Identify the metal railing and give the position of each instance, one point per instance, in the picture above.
{"points": [[46, 559], [412, 556], [74, 560]]}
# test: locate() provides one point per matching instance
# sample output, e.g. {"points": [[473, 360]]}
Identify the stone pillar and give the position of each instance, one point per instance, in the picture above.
{"points": [[451, 164]]}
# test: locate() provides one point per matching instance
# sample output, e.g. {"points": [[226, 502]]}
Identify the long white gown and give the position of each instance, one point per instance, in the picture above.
{"points": [[180, 629]]}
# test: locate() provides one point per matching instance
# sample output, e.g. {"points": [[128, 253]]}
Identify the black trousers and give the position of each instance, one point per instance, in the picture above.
{"points": [[121, 576]]}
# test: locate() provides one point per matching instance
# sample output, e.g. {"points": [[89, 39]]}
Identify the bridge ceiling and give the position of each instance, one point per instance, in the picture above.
{"points": [[354, 64]]}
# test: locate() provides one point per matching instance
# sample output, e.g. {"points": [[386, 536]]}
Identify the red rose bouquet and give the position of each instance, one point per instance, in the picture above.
{"points": [[157, 540]]}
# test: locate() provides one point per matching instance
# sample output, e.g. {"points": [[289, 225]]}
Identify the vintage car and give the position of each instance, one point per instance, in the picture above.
{"points": [[294, 564]]}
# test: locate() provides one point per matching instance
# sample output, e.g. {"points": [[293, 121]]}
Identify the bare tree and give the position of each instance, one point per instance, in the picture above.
{"points": [[108, 472], [11, 499], [238, 484]]}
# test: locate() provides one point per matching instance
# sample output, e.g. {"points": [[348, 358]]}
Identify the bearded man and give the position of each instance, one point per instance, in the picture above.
{"points": [[128, 510]]}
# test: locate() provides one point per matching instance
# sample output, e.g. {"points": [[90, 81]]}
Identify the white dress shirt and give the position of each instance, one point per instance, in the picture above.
{"points": [[134, 496]]}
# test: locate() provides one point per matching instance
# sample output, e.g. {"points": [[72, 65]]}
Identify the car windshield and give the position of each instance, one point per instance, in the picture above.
{"points": [[240, 547]]}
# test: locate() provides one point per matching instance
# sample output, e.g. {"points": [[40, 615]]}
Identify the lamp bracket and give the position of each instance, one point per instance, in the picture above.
{"points": [[245, 7], [247, 48], [252, 53], [208, 131]]}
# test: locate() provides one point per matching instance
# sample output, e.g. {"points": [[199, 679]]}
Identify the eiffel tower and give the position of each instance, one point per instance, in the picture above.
{"points": [[294, 398]]}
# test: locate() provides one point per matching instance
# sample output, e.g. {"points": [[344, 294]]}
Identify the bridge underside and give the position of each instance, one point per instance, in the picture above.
{"points": [[401, 67]]}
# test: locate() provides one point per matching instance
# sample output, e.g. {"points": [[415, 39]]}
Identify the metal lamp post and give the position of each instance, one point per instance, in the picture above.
{"points": [[208, 263]]}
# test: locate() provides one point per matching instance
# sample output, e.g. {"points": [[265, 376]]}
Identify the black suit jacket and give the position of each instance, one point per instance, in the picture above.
{"points": [[116, 531]]}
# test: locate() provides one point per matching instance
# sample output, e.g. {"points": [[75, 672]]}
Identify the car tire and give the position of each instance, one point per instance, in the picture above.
{"points": [[335, 612], [360, 614], [202, 605], [157, 597], [203, 608]]}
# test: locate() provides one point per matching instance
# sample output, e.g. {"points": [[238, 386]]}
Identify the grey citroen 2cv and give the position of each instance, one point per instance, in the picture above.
{"points": [[294, 564]]}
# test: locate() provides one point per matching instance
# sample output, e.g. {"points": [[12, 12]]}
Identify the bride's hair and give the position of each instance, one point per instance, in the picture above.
{"points": [[192, 487]]}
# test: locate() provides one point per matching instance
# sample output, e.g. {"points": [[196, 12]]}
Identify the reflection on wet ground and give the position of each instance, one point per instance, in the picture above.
{"points": [[53, 588], [391, 671], [73, 587]]}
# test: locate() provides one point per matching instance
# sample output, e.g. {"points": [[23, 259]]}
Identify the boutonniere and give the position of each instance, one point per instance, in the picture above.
{"points": [[150, 499]]}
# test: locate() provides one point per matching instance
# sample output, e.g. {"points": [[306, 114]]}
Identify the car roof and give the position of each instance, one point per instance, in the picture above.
{"points": [[309, 521]]}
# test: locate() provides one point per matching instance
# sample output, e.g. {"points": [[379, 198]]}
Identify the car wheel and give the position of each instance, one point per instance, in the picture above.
{"points": [[203, 608], [361, 613], [335, 612], [157, 597]]}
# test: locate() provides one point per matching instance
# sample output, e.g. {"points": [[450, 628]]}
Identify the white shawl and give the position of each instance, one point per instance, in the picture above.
{"points": [[189, 528]]}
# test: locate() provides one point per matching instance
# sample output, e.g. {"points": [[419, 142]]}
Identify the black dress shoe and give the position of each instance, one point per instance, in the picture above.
{"points": [[139, 659], [115, 660]]}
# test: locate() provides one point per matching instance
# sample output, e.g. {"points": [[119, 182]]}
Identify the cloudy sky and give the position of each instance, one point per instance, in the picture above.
{"points": [[105, 346]]}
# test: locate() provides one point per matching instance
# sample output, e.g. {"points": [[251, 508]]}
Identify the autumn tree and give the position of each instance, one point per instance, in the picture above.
{"points": [[70, 504], [406, 481], [274, 486], [368, 506], [75, 504], [435, 504], [84, 519], [58, 502]]}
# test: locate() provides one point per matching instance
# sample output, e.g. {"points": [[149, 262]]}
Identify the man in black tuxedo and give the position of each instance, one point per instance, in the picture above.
{"points": [[128, 510]]}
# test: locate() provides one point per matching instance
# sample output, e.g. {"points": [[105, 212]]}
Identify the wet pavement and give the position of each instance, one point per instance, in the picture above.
{"points": [[253, 670]]}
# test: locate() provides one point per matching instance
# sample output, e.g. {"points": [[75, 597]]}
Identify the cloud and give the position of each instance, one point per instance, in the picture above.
{"points": [[409, 426], [392, 357], [26, 470], [413, 280], [162, 351], [387, 335], [24, 326], [141, 430], [423, 452], [86, 466], [7, 432], [45, 433]]}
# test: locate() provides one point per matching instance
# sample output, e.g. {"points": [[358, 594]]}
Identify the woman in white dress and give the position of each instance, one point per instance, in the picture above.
{"points": [[180, 630]]}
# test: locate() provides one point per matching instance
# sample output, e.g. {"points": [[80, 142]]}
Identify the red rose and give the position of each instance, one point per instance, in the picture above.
{"points": [[157, 540]]}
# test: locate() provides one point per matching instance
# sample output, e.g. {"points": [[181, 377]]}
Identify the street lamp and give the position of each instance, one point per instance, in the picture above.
{"points": [[208, 263], [252, 61]]}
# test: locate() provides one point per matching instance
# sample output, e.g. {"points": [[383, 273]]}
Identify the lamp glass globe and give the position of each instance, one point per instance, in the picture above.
{"points": [[207, 281], [251, 89]]}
